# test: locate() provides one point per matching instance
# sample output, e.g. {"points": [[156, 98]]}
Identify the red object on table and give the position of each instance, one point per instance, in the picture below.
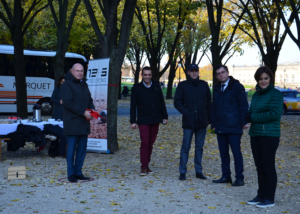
{"points": [[13, 118], [93, 113]]}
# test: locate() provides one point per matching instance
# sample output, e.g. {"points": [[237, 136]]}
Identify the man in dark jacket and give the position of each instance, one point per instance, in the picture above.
{"points": [[193, 101], [76, 98], [229, 107], [148, 99]]}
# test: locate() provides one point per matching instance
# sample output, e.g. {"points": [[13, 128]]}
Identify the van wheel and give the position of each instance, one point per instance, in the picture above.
{"points": [[284, 110], [46, 106]]}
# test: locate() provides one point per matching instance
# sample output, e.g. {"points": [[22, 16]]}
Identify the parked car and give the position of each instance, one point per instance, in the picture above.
{"points": [[291, 101]]}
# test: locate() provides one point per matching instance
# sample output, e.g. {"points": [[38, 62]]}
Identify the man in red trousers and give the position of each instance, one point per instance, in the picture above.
{"points": [[147, 98]]}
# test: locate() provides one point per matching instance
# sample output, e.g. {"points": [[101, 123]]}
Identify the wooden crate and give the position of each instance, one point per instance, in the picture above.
{"points": [[16, 172]]}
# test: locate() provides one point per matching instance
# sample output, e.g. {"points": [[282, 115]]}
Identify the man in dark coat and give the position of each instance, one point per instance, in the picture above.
{"points": [[148, 99], [229, 107], [193, 101], [76, 98]]}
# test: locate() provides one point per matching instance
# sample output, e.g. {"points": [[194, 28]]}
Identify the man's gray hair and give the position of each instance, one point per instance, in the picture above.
{"points": [[76, 64]]}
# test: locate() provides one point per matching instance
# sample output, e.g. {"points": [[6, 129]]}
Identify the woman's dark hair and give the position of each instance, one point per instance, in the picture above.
{"points": [[218, 67], [60, 79], [266, 70]]}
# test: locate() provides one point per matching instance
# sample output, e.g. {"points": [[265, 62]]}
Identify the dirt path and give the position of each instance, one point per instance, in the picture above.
{"points": [[118, 188]]}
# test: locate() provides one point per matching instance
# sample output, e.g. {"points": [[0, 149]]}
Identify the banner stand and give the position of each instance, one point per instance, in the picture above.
{"points": [[97, 80]]}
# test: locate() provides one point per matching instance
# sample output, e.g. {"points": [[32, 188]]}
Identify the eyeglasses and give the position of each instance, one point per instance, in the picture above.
{"points": [[79, 71], [221, 73]]}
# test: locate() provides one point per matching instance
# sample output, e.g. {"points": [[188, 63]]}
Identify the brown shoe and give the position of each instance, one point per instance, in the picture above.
{"points": [[143, 172], [149, 171]]}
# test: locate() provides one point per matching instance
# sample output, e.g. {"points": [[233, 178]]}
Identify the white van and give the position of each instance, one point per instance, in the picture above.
{"points": [[39, 68]]}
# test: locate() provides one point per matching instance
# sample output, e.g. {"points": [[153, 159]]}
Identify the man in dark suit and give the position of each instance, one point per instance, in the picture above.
{"points": [[229, 107], [147, 98], [193, 101], [76, 98]]}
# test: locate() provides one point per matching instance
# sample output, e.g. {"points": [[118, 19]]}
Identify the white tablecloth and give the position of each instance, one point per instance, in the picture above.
{"points": [[8, 128]]}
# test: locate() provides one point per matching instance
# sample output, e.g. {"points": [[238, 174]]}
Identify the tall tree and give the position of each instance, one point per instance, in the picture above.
{"points": [[293, 8], [264, 19], [17, 22], [155, 18], [172, 72], [113, 43], [221, 47], [195, 39], [63, 32], [136, 49]]}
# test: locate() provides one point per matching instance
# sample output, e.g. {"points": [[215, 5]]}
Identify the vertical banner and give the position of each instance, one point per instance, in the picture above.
{"points": [[97, 80]]}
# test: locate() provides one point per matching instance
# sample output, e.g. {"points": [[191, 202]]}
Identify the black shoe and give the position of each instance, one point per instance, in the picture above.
{"points": [[266, 203], [72, 178], [82, 177], [201, 176], [223, 180], [238, 183], [182, 177], [255, 201]]}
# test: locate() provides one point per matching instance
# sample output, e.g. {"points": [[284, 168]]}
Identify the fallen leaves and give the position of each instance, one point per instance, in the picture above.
{"points": [[125, 185], [114, 204], [65, 211]]}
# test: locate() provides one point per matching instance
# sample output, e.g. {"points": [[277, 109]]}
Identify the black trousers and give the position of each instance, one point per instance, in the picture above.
{"points": [[264, 151]]}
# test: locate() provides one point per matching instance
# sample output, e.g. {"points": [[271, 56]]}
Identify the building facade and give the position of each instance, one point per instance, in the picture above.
{"points": [[287, 74]]}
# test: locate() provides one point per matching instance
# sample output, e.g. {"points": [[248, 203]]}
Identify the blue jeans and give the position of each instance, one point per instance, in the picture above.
{"points": [[186, 145], [224, 140], [81, 142]]}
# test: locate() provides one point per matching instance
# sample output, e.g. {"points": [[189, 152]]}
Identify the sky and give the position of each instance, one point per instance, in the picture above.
{"points": [[289, 53]]}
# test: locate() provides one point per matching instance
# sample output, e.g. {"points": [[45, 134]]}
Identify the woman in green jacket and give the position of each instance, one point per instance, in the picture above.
{"points": [[264, 115]]}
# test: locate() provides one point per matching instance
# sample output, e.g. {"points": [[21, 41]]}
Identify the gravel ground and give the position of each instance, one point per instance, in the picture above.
{"points": [[118, 188]]}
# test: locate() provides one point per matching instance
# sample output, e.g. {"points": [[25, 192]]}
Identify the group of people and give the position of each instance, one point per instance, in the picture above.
{"points": [[228, 113]]}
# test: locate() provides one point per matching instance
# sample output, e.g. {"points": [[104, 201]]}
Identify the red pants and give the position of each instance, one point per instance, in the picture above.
{"points": [[148, 135]]}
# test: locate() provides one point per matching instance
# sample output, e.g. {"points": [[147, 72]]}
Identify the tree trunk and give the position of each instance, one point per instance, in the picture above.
{"points": [[61, 49], [120, 86], [19, 69], [171, 77], [112, 104], [59, 63], [270, 60], [136, 76], [138, 66]]}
